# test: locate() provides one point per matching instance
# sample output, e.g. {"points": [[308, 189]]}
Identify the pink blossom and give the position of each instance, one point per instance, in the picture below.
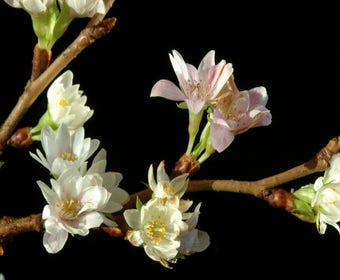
{"points": [[236, 112], [197, 86]]}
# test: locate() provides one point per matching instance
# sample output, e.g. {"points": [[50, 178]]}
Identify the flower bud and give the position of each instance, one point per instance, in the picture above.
{"points": [[302, 199]]}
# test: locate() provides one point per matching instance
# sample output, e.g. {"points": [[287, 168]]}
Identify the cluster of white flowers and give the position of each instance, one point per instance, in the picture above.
{"points": [[320, 202], [163, 225], [81, 197]]}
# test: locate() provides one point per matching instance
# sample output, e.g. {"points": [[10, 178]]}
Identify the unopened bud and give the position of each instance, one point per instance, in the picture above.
{"points": [[302, 203], [22, 138]]}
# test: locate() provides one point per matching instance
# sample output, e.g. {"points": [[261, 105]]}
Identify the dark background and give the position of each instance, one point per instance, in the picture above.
{"points": [[293, 51]]}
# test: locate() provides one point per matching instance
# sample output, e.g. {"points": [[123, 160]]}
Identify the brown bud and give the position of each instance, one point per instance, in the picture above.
{"points": [[113, 231], [21, 138], [119, 231], [185, 164], [279, 198], [41, 61]]}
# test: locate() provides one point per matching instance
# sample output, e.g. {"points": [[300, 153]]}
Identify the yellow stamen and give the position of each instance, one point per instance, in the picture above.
{"points": [[169, 189], [68, 156], [69, 208], [63, 102], [156, 230]]}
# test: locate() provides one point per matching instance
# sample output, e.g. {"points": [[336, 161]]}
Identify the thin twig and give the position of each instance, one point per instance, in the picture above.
{"points": [[96, 28]]}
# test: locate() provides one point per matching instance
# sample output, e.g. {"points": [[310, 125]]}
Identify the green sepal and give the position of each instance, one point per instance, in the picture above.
{"points": [[43, 121], [139, 203], [43, 26], [302, 199]]}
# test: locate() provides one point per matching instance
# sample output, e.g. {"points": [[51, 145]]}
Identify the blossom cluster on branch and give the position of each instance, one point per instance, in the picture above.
{"points": [[82, 195]]}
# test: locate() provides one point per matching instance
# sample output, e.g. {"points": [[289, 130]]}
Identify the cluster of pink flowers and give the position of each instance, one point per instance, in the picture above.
{"points": [[211, 88]]}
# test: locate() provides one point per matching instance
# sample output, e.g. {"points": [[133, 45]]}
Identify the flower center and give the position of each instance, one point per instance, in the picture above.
{"points": [[69, 208], [156, 231], [68, 156], [195, 89], [169, 189], [63, 102]]}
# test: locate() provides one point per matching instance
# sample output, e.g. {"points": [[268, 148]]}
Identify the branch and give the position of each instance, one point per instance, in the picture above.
{"points": [[94, 30], [263, 189]]}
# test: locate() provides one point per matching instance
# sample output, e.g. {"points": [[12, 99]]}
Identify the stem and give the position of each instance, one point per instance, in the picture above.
{"points": [[320, 162]]}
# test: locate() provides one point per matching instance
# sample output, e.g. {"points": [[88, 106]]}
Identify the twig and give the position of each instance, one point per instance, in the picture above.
{"points": [[94, 30]]}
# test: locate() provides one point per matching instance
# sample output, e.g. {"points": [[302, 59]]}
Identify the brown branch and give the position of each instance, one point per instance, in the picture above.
{"points": [[263, 189], [10, 226], [94, 30]]}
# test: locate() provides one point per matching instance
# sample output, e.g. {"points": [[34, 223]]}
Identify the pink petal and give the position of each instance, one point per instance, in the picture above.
{"points": [[193, 75], [258, 96], [168, 90], [221, 136], [206, 64], [179, 66], [220, 74]]}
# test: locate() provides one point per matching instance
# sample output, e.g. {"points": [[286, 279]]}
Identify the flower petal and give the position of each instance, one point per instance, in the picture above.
{"points": [[168, 90], [221, 136]]}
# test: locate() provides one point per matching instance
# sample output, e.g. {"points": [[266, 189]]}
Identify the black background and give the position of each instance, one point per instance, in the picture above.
{"points": [[291, 50]]}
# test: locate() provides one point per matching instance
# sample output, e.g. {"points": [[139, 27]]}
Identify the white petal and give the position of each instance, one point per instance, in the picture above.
{"points": [[53, 243], [133, 218]]}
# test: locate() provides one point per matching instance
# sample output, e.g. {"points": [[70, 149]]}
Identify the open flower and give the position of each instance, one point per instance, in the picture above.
{"points": [[163, 226], [66, 104], [235, 113], [156, 227], [326, 202], [164, 187], [197, 86], [63, 150], [75, 203]]}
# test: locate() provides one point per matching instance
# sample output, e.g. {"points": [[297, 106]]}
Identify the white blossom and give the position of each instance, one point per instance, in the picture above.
{"points": [[66, 103], [156, 227], [326, 202], [163, 187], [63, 150], [75, 203], [163, 226]]}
